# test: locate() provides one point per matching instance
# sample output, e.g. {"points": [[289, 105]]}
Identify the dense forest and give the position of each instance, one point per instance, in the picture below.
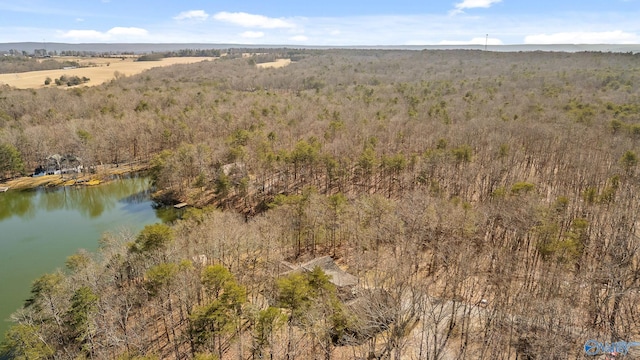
{"points": [[21, 63], [486, 203]]}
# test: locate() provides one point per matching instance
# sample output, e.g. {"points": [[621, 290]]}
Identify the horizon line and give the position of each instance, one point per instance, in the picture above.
{"points": [[343, 45]]}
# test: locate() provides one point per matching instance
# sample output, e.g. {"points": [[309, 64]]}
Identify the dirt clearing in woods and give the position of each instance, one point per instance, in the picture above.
{"points": [[275, 64]]}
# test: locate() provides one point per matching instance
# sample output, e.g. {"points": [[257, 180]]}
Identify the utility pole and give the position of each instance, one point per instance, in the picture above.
{"points": [[486, 41]]}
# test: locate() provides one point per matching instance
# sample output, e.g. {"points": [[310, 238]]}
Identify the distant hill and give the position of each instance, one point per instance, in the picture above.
{"points": [[30, 47]]}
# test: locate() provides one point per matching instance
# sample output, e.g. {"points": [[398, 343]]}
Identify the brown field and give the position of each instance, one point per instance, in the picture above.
{"points": [[275, 64], [99, 70]]}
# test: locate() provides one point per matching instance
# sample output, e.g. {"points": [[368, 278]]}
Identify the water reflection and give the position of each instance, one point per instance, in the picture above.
{"points": [[40, 228], [167, 214], [17, 204], [91, 202]]}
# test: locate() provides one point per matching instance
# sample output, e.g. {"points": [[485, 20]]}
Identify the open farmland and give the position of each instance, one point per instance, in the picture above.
{"points": [[275, 64], [98, 70]]}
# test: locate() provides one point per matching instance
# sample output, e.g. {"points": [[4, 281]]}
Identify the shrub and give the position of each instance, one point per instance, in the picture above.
{"points": [[522, 187], [463, 153]]}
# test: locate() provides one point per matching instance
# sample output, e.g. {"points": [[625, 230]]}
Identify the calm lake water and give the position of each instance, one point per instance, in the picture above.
{"points": [[39, 229]]}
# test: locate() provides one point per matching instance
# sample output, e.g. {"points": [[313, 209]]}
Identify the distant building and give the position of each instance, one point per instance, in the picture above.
{"points": [[344, 282], [371, 310], [58, 164]]}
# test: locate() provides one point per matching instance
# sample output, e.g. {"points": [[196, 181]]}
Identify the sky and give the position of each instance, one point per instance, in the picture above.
{"points": [[322, 22]]}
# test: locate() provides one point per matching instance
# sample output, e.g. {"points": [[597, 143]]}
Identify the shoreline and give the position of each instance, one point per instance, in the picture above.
{"points": [[99, 177]]}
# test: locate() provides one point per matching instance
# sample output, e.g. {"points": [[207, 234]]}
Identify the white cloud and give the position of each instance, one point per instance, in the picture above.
{"points": [[252, 34], [474, 41], [252, 20], [605, 37], [192, 15], [472, 4], [79, 19], [116, 33], [369, 30], [127, 31], [84, 35]]}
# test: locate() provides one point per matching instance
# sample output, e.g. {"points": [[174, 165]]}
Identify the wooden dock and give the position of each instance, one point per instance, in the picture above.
{"points": [[180, 206], [4, 188]]}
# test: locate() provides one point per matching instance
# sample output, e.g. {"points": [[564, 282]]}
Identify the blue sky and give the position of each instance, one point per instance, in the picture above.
{"points": [[322, 22]]}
